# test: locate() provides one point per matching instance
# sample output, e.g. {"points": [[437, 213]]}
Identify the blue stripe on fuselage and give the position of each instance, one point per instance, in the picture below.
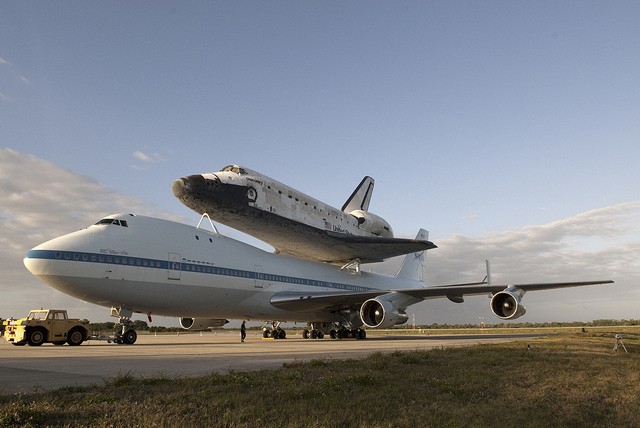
{"points": [[203, 268]]}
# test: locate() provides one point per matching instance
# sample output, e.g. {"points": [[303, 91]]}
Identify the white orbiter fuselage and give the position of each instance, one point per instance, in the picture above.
{"points": [[292, 222]]}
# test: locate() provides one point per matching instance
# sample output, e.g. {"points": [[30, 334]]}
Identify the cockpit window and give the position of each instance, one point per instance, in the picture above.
{"points": [[234, 168], [113, 221]]}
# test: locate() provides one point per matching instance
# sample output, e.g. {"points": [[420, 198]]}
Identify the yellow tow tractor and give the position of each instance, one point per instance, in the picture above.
{"points": [[46, 326]]}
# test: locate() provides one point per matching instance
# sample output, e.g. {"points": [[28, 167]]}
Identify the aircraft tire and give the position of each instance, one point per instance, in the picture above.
{"points": [[333, 334], [320, 334], [266, 334], [305, 334], [129, 337]]}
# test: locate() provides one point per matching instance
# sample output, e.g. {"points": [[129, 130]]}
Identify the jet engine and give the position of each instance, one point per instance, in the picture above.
{"points": [[373, 223], [197, 324], [507, 304], [380, 313]]}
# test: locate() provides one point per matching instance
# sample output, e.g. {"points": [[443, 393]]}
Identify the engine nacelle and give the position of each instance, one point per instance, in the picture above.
{"points": [[197, 324], [373, 223], [507, 304], [381, 313]]}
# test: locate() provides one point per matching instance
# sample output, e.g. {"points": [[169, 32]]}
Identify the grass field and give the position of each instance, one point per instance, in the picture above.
{"points": [[565, 380]]}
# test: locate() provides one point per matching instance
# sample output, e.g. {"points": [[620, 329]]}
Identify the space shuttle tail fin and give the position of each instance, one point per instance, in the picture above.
{"points": [[413, 265], [360, 198]]}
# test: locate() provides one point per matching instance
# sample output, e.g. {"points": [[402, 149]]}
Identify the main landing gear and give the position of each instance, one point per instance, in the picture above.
{"points": [[273, 331], [317, 330], [338, 331]]}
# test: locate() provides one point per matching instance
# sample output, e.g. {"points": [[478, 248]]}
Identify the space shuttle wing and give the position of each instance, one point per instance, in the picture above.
{"points": [[320, 301], [303, 241], [372, 249]]}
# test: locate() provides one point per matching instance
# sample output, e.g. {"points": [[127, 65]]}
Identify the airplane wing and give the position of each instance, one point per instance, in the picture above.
{"points": [[320, 301]]}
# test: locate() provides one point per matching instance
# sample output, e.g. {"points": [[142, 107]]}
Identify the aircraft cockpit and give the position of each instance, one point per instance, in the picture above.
{"points": [[113, 221], [234, 168]]}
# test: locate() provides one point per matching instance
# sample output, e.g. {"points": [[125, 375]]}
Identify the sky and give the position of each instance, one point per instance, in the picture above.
{"points": [[509, 129]]}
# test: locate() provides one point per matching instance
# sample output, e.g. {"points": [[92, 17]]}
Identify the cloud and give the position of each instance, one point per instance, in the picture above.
{"points": [[602, 243], [597, 241], [41, 205], [4, 61], [599, 244], [146, 159], [143, 157]]}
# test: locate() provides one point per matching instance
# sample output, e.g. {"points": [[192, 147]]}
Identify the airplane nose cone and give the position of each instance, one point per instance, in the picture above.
{"points": [[30, 263]]}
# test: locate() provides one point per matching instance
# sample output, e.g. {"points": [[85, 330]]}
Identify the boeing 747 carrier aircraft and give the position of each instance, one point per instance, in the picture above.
{"points": [[157, 267], [292, 222]]}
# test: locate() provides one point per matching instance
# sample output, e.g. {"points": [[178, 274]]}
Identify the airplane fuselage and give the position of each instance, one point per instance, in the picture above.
{"points": [[160, 267]]}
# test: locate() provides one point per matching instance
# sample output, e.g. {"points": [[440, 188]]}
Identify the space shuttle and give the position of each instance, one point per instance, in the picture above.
{"points": [[293, 223]]}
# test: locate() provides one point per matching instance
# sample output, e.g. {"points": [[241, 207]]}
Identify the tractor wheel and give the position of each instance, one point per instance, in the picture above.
{"points": [[36, 337], [75, 337]]}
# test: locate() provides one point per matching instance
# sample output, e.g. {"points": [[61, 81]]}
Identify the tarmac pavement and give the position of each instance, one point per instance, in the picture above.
{"points": [[26, 369]]}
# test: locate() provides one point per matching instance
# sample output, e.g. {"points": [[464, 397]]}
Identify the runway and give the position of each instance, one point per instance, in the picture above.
{"points": [[26, 369]]}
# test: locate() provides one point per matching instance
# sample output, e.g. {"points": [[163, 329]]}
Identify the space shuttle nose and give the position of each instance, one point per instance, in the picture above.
{"points": [[185, 186], [179, 187]]}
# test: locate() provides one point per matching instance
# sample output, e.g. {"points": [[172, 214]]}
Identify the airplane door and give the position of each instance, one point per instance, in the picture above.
{"points": [[175, 266], [259, 280]]}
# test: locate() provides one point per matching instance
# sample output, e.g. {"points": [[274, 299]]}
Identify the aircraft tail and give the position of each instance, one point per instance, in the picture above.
{"points": [[360, 198], [413, 264]]}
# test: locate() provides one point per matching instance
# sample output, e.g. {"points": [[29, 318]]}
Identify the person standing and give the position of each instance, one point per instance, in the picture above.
{"points": [[243, 332]]}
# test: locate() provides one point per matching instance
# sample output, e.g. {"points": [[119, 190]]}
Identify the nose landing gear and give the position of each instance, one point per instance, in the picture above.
{"points": [[123, 330]]}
